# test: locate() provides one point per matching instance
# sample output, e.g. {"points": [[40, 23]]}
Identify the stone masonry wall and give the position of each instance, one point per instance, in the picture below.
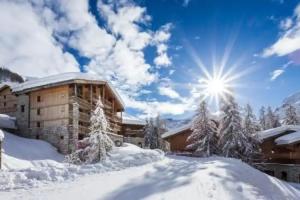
{"points": [[292, 171]]}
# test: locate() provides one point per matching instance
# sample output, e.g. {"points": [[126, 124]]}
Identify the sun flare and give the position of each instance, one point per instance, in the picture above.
{"points": [[215, 86]]}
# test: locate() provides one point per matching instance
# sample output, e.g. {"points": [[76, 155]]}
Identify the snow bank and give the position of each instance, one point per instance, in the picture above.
{"points": [[31, 163], [172, 178], [7, 121], [288, 139], [21, 153]]}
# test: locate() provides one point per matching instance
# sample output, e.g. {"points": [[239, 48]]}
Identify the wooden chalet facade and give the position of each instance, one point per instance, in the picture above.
{"points": [[58, 108], [177, 138], [8, 101], [281, 152]]}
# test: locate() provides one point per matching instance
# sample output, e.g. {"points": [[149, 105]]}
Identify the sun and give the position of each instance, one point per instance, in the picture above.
{"points": [[215, 86]]}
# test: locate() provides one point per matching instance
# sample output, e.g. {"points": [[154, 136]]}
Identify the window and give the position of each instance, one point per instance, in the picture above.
{"points": [[38, 111], [4, 104], [15, 105], [4, 96], [38, 99], [22, 108], [284, 175], [37, 137], [38, 124], [61, 137], [94, 89]]}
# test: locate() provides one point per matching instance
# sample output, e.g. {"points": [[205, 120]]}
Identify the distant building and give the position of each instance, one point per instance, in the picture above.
{"points": [[281, 152], [177, 138], [133, 131], [8, 101]]}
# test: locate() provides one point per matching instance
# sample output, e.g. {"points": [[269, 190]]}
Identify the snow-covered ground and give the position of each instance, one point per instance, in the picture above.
{"points": [[34, 170], [171, 178], [31, 163]]}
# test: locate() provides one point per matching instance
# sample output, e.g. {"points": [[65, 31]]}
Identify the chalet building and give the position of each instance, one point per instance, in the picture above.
{"points": [[8, 101], [133, 131], [177, 138], [57, 108], [281, 152]]}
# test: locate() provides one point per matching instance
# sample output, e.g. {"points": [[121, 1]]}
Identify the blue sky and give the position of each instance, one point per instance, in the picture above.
{"points": [[150, 50]]}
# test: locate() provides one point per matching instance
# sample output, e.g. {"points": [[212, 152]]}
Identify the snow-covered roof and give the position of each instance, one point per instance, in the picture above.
{"points": [[133, 121], [7, 122], [9, 84], [289, 138], [177, 130], [277, 131], [61, 79], [1, 136]]}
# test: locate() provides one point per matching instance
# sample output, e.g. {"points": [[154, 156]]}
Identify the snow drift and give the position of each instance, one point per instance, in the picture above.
{"points": [[30, 163]]}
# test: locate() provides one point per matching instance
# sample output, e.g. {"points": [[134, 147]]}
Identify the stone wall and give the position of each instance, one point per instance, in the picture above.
{"points": [[58, 136], [287, 172]]}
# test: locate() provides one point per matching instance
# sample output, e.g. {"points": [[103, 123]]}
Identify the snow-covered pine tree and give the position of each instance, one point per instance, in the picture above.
{"points": [[98, 143], [148, 132], [250, 128], [203, 140], [262, 118], [291, 117], [233, 142], [272, 120]]}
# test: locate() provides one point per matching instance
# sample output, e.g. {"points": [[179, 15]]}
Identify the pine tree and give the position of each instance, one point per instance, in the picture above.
{"points": [[148, 132], [262, 118], [250, 128], [272, 120], [291, 117], [153, 131], [203, 140], [249, 121], [233, 141], [98, 143]]}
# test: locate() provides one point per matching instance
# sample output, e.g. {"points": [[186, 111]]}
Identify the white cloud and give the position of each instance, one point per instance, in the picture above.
{"points": [[286, 23], [34, 34], [290, 39], [169, 92], [161, 37], [27, 45], [276, 73]]}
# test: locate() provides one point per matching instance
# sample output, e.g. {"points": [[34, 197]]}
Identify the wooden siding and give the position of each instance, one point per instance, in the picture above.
{"points": [[285, 154], [132, 130], [178, 142], [49, 107], [8, 102]]}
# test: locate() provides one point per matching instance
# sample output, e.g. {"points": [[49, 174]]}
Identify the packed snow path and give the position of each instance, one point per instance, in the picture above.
{"points": [[171, 178]]}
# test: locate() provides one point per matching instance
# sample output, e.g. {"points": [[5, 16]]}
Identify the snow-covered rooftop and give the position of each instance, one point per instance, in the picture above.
{"points": [[288, 139], [61, 78], [10, 84], [277, 131], [133, 121], [175, 131]]}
